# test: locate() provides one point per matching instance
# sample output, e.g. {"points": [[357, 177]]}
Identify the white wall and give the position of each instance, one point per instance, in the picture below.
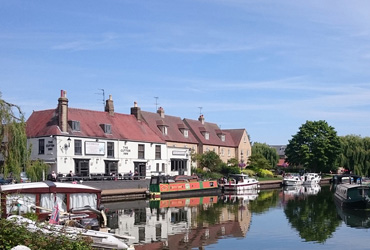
{"points": [[59, 153]]}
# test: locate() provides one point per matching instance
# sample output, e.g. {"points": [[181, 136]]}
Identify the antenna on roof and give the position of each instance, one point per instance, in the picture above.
{"points": [[156, 103], [200, 110], [103, 93]]}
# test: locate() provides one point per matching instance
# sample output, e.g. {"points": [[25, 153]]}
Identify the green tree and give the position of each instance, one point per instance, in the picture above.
{"points": [[355, 154], [266, 151], [14, 139], [210, 160], [258, 161], [316, 147], [233, 162], [36, 170]]}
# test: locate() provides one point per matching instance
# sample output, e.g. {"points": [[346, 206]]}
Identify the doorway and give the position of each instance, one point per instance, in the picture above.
{"points": [[140, 168]]}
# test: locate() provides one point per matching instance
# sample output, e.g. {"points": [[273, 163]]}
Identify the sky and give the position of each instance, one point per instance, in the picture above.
{"points": [[267, 66]]}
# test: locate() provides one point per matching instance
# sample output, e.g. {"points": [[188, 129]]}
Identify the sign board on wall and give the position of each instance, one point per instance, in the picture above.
{"points": [[179, 152], [94, 148]]}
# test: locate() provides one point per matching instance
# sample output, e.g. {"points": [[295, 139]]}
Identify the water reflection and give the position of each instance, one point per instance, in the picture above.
{"points": [[313, 216], [196, 222], [357, 218]]}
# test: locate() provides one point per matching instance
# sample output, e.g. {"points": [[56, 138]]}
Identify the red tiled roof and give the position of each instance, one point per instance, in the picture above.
{"points": [[282, 163], [173, 124], [236, 134], [197, 127], [123, 127]]}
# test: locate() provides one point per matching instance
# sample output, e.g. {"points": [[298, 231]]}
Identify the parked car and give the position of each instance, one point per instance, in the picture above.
{"points": [[24, 177], [5, 181]]}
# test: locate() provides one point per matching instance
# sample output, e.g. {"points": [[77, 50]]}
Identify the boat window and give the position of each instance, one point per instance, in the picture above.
{"points": [[47, 201], [24, 201], [154, 180], [79, 200]]}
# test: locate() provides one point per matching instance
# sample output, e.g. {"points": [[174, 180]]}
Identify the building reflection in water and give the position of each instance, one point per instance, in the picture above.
{"points": [[181, 223]]}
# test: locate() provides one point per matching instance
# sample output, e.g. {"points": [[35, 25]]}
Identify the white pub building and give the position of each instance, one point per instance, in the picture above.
{"points": [[92, 143]]}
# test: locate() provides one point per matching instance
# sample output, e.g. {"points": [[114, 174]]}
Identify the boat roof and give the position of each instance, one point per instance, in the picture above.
{"points": [[238, 175], [349, 186], [47, 185]]}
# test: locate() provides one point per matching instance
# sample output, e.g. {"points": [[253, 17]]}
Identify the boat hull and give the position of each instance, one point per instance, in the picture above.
{"points": [[183, 189], [292, 182], [352, 196], [231, 187]]}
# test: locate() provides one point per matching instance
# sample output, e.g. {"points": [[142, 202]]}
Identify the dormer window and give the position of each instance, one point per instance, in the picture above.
{"points": [[206, 135], [107, 128], [75, 125], [162, 126], [163, 129], [204, 132], [220, 134], [184, 130]]}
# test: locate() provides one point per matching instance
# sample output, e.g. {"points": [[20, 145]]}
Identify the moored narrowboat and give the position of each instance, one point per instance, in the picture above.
{"points": [[41, 197], [352, 195], [162, 186]]}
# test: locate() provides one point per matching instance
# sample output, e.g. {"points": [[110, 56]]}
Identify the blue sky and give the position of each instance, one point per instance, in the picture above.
{"points": [[264, 65]]}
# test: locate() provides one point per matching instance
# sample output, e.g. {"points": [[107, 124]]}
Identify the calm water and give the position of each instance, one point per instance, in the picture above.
{"points": [[302, 218]]}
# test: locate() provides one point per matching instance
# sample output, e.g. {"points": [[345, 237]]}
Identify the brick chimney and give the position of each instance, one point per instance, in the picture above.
{"points": [[63, 111], [109, 106], [201, 119], [160, 111], [136, 111]]}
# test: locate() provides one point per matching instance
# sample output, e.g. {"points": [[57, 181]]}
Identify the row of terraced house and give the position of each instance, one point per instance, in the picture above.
{"points": [[89, 142]]}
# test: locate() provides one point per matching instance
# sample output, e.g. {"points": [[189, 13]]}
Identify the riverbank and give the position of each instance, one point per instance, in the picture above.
{"points": [[123, 190]]}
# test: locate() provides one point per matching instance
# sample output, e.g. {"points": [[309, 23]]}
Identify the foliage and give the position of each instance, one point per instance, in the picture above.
{"points": [[315, 147], [203, 174], [36, 170], [355, 154], [258, 161], [264, 173], [12, 235], [266, 151], [209, 160], [233, 162], [248, 172], [13, 134], [226, 169]]}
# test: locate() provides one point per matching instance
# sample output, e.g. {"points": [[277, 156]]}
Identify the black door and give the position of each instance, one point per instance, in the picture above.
{"points": [[140, 168]]}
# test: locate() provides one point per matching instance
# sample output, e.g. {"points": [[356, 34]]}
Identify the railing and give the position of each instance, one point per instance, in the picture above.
{"points": [[100, 177]]}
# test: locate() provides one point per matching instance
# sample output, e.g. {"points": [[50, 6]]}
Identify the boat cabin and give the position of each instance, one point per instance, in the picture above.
{"points": [[40, 198], [239, 177], [158, 179], [346, 178]]}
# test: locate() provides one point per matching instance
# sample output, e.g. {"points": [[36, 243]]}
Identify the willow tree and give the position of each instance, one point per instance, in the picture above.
{"points": [[266, 151], [14, 139], [355, 154]]}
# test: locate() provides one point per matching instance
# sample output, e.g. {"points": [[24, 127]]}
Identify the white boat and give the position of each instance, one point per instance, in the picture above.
{"points": [[311, 178], [292, 180], [99, 239], [240, 183]]}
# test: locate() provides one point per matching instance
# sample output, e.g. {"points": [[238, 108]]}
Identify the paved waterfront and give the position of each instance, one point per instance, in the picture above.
{"points": [[119, 184]]}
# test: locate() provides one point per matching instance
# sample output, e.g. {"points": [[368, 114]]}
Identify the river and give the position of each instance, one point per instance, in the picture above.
{"points": [[296, 218]]}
